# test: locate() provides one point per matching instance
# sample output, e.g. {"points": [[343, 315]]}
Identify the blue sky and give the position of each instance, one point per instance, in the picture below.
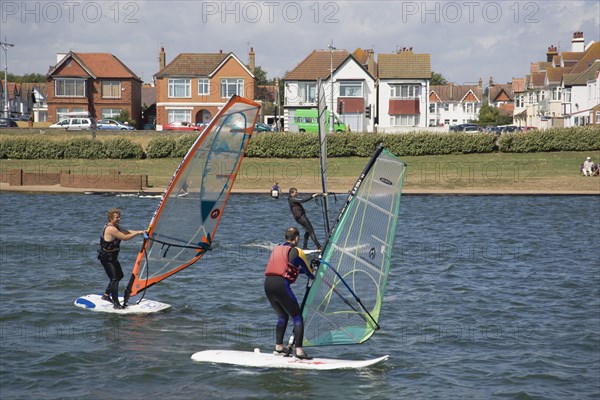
{"points": [[467, 40]]}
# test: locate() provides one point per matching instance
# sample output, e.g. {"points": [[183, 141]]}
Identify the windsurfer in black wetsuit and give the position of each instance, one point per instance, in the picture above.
{"points": [[299, 214], [285, 263], [110, 241]]}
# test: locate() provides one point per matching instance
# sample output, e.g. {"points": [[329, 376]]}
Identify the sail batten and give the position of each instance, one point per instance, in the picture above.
{"points": [[343, 303], [190, 210]]}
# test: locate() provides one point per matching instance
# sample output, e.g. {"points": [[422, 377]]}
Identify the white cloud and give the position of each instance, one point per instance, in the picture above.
{"points": [[466, 39]]}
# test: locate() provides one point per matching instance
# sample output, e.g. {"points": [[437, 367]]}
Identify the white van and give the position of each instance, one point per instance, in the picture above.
{"points": [[76, 121]]}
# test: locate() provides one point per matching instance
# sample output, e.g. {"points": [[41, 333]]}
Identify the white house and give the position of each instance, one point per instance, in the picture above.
{"points": [[454, 104], [349, 88]]}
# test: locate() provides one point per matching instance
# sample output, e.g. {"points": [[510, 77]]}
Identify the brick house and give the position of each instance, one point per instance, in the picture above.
{"points": [[195, 86], [96, 82]]}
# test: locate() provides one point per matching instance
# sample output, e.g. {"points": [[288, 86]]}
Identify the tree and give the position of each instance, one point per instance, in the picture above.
{"points": [[27, 78], [437, 79]]}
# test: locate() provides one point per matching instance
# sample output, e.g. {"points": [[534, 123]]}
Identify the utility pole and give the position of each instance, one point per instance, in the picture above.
{"points": [[331, 49], [5, 46]]}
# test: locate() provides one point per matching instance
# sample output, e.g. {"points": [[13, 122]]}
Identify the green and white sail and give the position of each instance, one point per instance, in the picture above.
{"points": [[343, 303]]}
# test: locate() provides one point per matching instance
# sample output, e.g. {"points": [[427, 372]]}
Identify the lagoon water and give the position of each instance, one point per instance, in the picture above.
{"points": [[488, 297]]}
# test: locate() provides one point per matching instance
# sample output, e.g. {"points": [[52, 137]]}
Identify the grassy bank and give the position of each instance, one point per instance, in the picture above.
{"points": [[493, 172]]}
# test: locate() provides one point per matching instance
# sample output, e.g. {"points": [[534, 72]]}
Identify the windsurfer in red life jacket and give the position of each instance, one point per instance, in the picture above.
{"points": [[110, 241], [285, 263], [299, 214]]}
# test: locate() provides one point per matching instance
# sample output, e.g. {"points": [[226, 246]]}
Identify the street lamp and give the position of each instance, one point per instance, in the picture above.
{"points": [[331, 49], [5, 46]]}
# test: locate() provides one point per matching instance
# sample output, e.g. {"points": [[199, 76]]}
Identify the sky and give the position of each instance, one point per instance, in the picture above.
{"points": [[467, 40]]}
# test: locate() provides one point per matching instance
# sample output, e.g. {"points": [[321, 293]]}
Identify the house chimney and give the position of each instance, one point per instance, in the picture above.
{"points": [[371, 62], [251, 60], [578, 44], [480, 83], [552, 51], [491, 83], [162, 58]]}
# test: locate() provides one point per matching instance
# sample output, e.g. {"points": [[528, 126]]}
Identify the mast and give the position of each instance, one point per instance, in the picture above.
{"points": [[322, 118]]}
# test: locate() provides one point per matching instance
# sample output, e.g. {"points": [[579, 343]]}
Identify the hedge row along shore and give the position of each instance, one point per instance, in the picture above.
{"points": [[298, 145]]}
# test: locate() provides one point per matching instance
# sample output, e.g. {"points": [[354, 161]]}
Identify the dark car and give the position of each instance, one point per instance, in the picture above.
{"points": [[464, 128], [8, 123]]}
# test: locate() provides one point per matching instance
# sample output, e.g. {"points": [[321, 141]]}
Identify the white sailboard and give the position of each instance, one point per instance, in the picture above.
{"points": [[267, 360], [94, 302]]}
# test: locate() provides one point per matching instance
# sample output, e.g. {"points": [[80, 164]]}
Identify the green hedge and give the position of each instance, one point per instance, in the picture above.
{"points": [[554, 139], [306, 145]]}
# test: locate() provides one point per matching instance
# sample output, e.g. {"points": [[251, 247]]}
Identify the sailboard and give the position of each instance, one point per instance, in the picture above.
{"points": [[186, 219], [267, 360]]}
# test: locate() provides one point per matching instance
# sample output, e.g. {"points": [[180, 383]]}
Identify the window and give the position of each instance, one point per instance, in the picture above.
{"points": [[432, 107], [180, 116], [446, 106], [180, 87], [231, 86], [597, 117], [111, 112], [307, 91], [111, 89], [203, 86], [351, 89], [567, 95], [404, 120], [69, 87], [60, 113], [406, 91]]}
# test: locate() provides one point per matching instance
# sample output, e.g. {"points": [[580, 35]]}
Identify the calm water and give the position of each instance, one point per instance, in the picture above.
{"points": [[489, 297]]}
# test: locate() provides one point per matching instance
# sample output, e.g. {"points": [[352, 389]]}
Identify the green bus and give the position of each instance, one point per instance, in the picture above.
{"points": [[306, 120]]}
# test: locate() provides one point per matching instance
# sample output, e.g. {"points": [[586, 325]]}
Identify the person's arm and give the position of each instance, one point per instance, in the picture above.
{"points": [[122, 234]]}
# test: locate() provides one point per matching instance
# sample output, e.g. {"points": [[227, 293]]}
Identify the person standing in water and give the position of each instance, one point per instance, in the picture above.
{"points": [[108, 253]]}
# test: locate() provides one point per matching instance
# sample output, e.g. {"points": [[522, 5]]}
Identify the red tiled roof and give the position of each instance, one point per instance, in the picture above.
{"points": [[317, 65], [106, 65], [455, 93], [518, 85]]}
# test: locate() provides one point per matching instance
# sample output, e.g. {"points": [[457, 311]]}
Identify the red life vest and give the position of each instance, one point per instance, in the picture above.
{"points": [[280, 265]]}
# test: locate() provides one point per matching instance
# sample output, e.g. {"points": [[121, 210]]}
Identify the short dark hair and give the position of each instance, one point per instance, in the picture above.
{"points": [[291, 233], [292, 189]]}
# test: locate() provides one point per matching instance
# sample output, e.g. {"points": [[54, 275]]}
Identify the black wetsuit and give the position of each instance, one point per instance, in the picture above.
{"points": [[108, 254], [300, 216], [282, 298]]}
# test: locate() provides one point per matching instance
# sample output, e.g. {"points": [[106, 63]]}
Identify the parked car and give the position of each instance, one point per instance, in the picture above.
{"points": [[113, 125], [181, 126], [8, 123], [201, 125], [76, 123], [260, 127], [464, 128]]}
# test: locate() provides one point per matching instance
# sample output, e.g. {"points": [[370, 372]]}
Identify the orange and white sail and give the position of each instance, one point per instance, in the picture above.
{"points": [[186, 219]]}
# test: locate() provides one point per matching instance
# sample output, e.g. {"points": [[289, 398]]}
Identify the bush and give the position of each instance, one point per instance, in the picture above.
{"points": [[83, 148], [183, 144], [161, 147], [554, 139], [121, 148]]}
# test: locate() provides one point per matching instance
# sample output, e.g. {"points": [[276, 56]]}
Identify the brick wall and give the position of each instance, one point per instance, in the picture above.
{"points": [[114, 181]]}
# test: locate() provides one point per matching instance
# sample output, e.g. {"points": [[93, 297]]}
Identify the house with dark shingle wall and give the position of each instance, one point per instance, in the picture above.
{"points": [[195, 86], [403, 90], [99, 83]]}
